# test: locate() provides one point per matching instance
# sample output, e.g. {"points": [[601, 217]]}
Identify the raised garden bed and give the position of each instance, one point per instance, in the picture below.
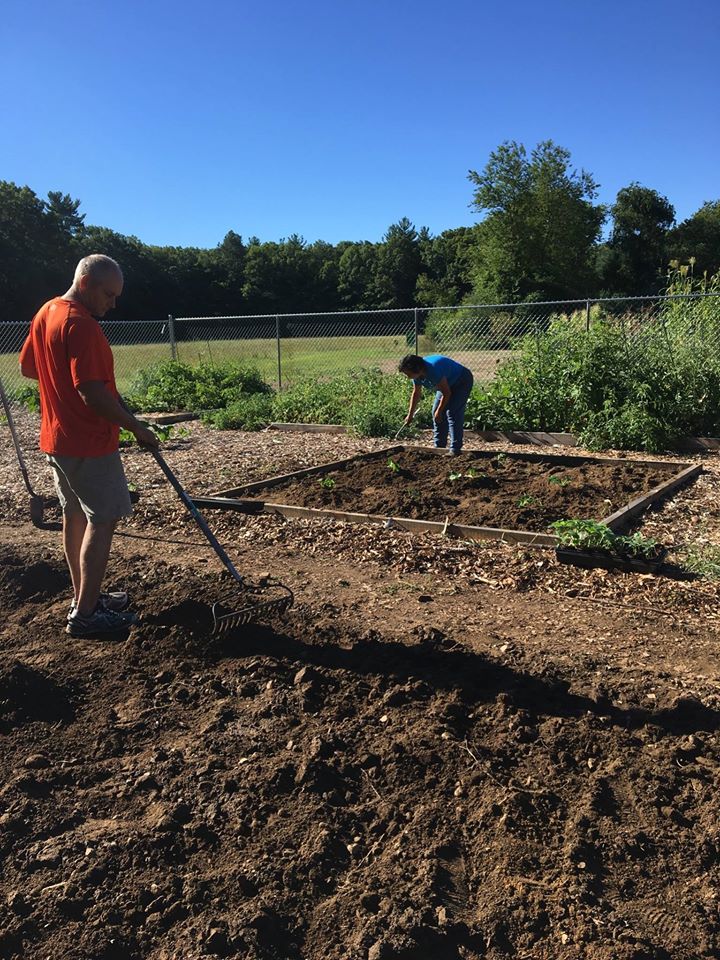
{"points": [[477, 495]]}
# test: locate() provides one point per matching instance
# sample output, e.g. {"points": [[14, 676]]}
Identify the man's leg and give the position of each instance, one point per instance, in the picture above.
{"points": [[74, 525], [456, 414], [440, 430], [94, 554]]}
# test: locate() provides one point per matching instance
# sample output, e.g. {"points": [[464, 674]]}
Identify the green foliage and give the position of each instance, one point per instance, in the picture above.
{"points": [[171, 385], [540, 228], [327, 483], [29, 396], [592, 535], [392, 466], [253, 411], [583, 534], [635, 382], [703, 561], [527, 500], [635, 257]]}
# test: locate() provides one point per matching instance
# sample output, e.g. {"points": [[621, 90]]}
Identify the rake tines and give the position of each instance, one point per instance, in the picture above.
{"points": [[225, 620]]}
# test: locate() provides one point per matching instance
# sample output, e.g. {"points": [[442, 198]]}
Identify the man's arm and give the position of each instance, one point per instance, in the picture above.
{"points": [[95, 394], [27, 361], [444, 388]]}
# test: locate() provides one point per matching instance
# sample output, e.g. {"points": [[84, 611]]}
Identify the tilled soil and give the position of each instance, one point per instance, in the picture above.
{"points": [[445, 750], [477, 488]]}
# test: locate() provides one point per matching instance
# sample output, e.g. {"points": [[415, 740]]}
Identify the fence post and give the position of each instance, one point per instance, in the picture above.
{"points": [[587, 316], [417, 331], [277, 340], [173, 342]]}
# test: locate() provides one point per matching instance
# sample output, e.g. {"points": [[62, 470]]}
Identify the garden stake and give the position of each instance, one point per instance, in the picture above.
{"points": [[253, 606], [36, 502]]}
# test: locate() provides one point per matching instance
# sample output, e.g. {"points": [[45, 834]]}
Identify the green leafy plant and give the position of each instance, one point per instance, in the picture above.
{"points": [[636, 546], [452, 476], [559, 481], [327, 483], [583, 534], [527, 500], [392, 466], [592, 535]]}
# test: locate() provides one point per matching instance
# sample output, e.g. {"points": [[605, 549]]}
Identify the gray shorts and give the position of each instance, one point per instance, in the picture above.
{"points": [[95, 485]]}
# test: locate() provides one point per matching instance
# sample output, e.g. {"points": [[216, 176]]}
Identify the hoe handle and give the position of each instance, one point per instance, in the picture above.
{"points": [[197, 516]]}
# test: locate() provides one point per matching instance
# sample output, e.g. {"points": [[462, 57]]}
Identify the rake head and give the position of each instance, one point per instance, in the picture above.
{"points": [[256, 606]]}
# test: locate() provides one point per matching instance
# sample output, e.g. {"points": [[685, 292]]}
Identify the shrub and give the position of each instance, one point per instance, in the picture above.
{"points": [[171, 385], [254, 411], [629, 382]]}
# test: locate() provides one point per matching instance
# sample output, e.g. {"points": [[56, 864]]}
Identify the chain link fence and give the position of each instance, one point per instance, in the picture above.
{"points": [[288, 347]]}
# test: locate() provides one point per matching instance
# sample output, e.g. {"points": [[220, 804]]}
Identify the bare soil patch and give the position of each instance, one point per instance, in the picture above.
{"points": [[447, 749], [478, 488]]}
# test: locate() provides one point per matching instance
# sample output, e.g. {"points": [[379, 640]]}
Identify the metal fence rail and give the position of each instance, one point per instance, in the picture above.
{"points": [[288, 347]]}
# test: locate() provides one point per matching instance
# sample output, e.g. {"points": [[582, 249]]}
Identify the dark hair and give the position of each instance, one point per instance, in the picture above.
{"points": [[412, 364]]}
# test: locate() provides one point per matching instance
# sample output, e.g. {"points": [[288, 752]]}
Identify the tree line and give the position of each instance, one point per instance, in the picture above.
{"points": [[539, 237]]}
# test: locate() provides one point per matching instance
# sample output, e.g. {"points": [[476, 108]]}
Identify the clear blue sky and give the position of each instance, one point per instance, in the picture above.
{"points": [[178, 121]]}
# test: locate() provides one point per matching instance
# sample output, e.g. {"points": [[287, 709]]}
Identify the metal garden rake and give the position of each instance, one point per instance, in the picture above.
{"points": [[253, 606]]}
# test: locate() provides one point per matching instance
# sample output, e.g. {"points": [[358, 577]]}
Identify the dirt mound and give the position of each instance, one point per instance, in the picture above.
{"points": [[27, 694], [24, 578]]}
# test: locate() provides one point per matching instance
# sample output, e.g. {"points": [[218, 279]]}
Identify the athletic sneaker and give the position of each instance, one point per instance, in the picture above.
{"points": [[116, 601], [100, 622]]}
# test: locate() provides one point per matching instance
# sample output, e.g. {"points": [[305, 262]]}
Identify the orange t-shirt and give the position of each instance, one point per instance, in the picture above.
{"points": [[65, 348]]}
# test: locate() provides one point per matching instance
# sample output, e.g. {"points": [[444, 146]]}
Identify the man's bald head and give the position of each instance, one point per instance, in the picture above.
{"points": [[97, 284], [97, 267]]}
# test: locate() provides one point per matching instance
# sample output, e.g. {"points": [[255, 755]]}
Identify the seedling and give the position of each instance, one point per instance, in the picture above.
{"points": [[527, 500], [452, 477], [392, 466], [559, 481], [327, 483], [500, 458]]}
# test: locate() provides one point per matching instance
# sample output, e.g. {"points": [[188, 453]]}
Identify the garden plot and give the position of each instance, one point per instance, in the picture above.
{"points": [[480, 493]]}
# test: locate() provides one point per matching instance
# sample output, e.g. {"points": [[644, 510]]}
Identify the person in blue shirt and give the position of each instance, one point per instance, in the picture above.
{"points": [[452, 383]]}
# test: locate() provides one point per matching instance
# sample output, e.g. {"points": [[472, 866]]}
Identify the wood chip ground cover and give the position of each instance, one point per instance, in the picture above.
{"points": [[447, 749]]}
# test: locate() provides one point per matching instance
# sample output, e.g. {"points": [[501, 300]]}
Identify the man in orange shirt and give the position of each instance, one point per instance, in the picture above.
{"points": [[82, 412]]}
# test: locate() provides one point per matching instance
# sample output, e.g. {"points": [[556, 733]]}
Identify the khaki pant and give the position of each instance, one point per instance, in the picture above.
{"points": [[95, 485]]}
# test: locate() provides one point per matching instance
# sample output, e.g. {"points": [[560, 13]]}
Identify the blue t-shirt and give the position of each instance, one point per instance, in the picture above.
{"points": [[438, 367]]}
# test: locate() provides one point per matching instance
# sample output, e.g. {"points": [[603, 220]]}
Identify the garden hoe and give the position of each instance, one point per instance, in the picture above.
{"points": [[255, 602], [36, 502]]}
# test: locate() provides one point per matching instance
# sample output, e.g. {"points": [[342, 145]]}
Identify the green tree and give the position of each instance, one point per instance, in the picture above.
{"points": [[634, 260], [540, 226], [356, 276], [37, 248], [698, 237], [446, 264], [398, 266]]}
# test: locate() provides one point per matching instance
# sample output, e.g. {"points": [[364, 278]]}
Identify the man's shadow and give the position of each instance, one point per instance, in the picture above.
{"points": [[444, 665]]}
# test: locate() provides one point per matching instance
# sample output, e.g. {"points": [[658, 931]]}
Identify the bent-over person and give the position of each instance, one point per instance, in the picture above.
{"points": [[452, 383]]}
